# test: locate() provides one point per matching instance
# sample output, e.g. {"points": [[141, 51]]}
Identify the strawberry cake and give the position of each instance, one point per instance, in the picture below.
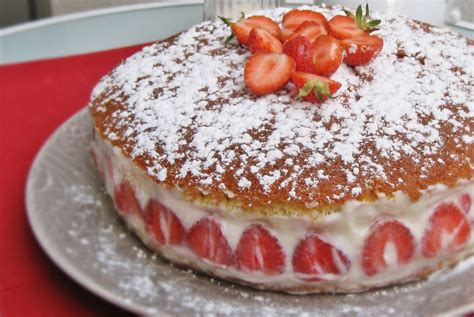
{"points": [[312, 150]]}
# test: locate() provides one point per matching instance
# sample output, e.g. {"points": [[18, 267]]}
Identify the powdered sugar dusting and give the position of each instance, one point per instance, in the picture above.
{"points": [[68, 204], [153, 287], [190, 119]]}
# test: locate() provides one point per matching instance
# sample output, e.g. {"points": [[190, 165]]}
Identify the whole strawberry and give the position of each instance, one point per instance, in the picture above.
{"points": [[314, 88], [349, 26], [362, 49]]}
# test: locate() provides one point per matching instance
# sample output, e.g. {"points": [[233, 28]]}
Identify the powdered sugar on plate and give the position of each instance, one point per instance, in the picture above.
{"points": [[74, 221]]}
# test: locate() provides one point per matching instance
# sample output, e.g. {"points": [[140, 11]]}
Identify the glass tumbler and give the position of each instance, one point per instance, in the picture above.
{"points": [[233, 8]]}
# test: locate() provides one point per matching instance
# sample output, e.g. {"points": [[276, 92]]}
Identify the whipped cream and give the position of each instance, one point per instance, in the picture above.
{"points": [[346, 229]]}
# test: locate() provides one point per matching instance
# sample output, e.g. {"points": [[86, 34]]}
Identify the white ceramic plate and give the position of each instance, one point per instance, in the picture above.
{"points": [[75, 223]]}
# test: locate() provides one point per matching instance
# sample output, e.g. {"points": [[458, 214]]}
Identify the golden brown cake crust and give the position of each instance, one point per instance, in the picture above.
{"points": [[354, 147]]}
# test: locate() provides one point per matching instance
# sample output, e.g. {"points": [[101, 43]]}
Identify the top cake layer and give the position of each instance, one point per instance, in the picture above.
{"points": [[181, 111]]}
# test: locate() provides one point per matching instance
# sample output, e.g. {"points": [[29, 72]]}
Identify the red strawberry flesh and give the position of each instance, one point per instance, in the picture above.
{"points": [[326, 55], [310, 30], [343, 27], [163, 223], [362, 49], [448, 231], [286, 33], [258, 250], [299, 48], [389, 244], [315, 258], [268, 73], [262, 41], [207, 241], [295, 18], [466, 202], [125, 199], [242, 28]]}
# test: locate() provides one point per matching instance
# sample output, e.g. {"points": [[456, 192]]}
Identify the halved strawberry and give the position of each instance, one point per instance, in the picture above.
{"points": [[295, 18], [286, 33], [262, 41], [389, 243], [314, 88], [310, 30], [343, 27], [448, 231], [242, 27], [326, 55], [315, 259], [125, 199], [299, 48], [361, 50], [259, 250], [163, 223], [268, 73], [206, 240], [465, 201]]}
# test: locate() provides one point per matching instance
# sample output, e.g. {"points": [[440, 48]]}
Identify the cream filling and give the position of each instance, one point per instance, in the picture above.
{"points": [[346, 229]]}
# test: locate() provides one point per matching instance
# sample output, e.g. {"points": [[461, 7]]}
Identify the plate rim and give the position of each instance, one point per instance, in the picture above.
{"points": [[81, 278], [60, 261]]}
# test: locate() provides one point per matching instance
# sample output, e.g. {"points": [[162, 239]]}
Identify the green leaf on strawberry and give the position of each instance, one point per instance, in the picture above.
{"points": [[319, 88], [227, 22], [363, 20]]}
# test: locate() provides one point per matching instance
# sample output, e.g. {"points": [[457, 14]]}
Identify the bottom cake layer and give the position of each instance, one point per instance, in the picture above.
{"points": [[362, 246]]}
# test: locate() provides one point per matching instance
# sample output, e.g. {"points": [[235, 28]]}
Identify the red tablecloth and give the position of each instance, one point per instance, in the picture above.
{"points": [[35, 98]]}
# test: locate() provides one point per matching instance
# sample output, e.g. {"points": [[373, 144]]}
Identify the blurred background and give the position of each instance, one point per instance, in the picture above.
{"points": [[18, 11], [435, 11]]}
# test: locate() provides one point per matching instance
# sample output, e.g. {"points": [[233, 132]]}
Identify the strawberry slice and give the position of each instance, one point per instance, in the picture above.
{"points": [[259, 250], [262, 41], [206, 240], [163, 223], [314, 88], [242, 28], [310, 30], [389, 244], [448, 231], [465, 201], [315, 258], [299, 48], [268, 73], [285, 33], [362, 49], [125, 199], [327, 55], [295, 18], [344, 27]]}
